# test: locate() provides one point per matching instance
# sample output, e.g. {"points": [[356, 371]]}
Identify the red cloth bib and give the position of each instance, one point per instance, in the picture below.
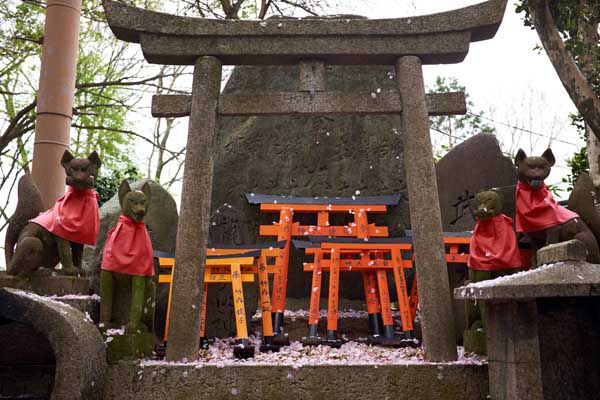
{"points": [[494, 245], [128, 249], [537, 209], [74, 216]]}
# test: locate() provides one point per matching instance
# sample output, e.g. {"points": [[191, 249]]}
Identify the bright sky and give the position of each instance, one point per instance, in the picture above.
{"points": [[505, 78]]}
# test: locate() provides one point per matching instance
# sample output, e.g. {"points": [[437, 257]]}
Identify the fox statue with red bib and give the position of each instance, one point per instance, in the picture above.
{"points": [[539, 216], [59, 234]]}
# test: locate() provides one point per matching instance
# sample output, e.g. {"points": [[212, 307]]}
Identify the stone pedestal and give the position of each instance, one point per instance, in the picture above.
{"points": [[129, 346], [543, 328], [47, 285]]}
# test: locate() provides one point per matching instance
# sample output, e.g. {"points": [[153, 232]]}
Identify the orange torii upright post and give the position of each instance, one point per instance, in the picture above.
{"points": [[221, 268], [287, 207], [369, 258]]}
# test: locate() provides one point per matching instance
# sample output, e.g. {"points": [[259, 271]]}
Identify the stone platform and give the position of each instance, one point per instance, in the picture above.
{"points": [[417, 381], [47, 285], [543, 327]]}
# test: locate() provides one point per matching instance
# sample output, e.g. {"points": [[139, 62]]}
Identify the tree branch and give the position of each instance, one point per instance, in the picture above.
{"points": [[121, 82], [578, 88], [264, 7], [11, 132]]}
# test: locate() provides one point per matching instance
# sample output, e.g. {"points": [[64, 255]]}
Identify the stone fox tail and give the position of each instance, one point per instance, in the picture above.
{"points": [[29, 205]]}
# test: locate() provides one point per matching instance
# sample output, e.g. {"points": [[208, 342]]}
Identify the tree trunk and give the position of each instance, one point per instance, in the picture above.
{"points": [[588, 31], [593, 156], [578, 88]]}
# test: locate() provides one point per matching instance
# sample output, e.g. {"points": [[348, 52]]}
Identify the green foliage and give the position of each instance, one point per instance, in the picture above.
{"points": [[104, 91], [456, 128], [574, 19], [571, 18], [108, 185], [578, 163]]}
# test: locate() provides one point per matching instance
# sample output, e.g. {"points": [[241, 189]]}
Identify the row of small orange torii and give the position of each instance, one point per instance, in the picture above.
{"points": [[237, 264]]}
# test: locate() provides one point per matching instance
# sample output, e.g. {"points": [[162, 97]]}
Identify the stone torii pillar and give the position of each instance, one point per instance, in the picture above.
{"points": [[406, 43], [194, 216], [425, 215]]}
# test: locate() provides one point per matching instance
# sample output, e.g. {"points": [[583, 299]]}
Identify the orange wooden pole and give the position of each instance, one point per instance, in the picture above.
{"points": [[386, 307], [371, 292], [166, 336], [315, 296], [414, 298], [265, 298], [238, 302], [280, 279], [203, 312], [400, 280], [332, 306]]}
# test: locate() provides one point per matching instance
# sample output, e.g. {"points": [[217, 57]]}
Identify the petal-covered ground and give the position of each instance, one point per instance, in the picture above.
{"points": [[220, 354]]}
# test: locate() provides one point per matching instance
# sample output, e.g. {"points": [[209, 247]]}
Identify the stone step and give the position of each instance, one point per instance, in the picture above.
{"points": [[47, 285], [165, 381]]}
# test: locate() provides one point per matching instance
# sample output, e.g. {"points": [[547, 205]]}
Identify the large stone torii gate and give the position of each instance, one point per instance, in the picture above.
{"points": [[406, 43]]}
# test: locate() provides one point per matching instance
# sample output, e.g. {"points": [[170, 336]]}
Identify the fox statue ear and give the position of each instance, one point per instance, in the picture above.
{"points": [[124, 188], [67, 157], [146, 191], [549, 156], [520, 156], [94, 158]]}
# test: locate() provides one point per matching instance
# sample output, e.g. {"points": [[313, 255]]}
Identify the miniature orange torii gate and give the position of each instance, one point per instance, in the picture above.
{"points": [[222, 264], [286, 228], [406, 43], [371, 258], [371, 262]]}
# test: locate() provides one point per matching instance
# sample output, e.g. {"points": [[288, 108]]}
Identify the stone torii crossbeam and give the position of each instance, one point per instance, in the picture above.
{"points": [[406, 43]]}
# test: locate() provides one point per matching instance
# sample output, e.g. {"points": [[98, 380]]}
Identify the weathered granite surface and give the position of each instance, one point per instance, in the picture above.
{"points": [[127, 381], [192, 232], [571, 250], [47, 285], [474, 165], [435, 299], [437, 38], [543, 328], [77, 344], [569, 332], [563, 279], [333, 156], [311, 102]]}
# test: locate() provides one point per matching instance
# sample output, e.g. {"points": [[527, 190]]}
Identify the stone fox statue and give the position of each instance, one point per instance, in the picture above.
{"points": [[126, 286], [539, 216], [493, 252], [42, 240]]}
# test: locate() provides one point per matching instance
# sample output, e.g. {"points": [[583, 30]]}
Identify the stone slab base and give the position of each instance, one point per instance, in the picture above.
{"points": [[47, 285], [127, 380], [130, 347]]}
